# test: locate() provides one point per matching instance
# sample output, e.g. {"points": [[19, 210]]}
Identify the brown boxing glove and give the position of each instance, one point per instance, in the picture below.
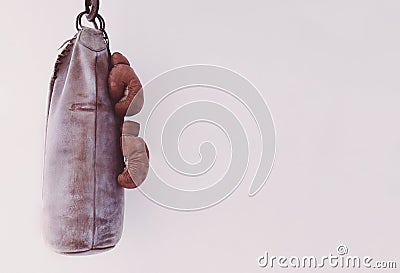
{"points": [[136, 156], [124, 86]]}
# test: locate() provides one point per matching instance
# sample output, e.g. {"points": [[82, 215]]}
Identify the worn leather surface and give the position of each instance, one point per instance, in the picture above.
{"points": [[82, 202]]}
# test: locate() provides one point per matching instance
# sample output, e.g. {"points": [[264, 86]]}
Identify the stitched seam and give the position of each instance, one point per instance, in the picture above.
{"points": [[66, 51], [95, 156]]}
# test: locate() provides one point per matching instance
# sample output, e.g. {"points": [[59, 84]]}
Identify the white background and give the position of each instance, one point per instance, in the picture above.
{"points": [[329, 71]]}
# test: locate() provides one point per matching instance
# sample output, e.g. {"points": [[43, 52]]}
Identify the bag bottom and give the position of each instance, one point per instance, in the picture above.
{"points": [[88, 252]]}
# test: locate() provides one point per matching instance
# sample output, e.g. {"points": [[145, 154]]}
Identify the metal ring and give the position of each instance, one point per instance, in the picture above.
{"points": [[102, 22], [78, 23], [79, 26]]}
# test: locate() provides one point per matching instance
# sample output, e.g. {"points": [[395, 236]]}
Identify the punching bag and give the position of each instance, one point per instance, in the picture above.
{"points": [[82, 201]]}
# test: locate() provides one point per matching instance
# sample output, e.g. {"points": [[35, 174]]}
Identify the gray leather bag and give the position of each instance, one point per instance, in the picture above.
{"points": [[82, 202]]}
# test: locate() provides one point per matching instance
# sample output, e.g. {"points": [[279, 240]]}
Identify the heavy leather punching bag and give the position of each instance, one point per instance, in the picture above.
{"points": [[82, 201]]}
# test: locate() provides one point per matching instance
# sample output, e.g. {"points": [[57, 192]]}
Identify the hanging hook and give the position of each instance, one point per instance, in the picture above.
{"points": [[94, 11]]}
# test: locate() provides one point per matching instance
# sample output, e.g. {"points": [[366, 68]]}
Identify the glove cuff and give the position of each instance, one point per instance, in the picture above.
{"points": [[130, 128]]}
